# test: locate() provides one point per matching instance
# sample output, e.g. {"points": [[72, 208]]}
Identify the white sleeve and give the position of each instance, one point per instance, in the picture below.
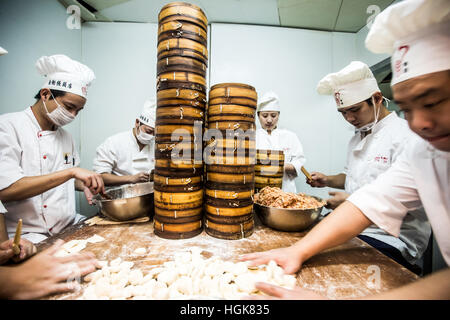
{"points": [[105, 159], [387, 200], [10, 156], [2, 208], [298, 158]]}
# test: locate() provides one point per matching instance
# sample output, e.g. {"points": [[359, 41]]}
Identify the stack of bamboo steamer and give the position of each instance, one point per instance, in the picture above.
{"points": [[269, 169], [230, 168], [180, 114]]}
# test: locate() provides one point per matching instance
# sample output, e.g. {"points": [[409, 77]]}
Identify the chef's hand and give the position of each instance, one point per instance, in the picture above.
{"points": [[287, 258], [92, 180], [276, 292], [140, 177], [27, 249], [319, 180], [290, 171], [336, 200], [45, 274], [88, 194]]}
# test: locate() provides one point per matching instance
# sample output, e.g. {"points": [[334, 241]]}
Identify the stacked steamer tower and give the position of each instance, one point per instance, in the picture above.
{"points": [[230, 167], [180, 114]]}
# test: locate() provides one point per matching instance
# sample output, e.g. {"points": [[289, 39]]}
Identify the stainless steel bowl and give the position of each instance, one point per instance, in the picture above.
{"points": [[284, 219], [127, 202]]}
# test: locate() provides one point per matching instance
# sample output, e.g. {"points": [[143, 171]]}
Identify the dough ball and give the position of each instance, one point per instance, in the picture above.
{"points": [[135, 277], [140, 251]]}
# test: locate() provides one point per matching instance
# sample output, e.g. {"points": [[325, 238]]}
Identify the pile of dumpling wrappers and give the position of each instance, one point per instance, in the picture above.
{"points": [[188, 276]]}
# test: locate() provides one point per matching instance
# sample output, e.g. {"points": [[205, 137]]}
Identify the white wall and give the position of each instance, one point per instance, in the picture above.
{"points": [[123, 57], [29, 30], [290, 62]]}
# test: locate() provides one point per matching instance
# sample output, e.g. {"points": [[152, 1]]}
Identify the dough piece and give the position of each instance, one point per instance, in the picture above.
{"points": [[95, 239], [115, 262], [168, 276], [140, 251], [135, 277]]}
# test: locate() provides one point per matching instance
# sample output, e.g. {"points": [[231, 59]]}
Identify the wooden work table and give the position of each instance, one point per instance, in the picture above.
{"points": [[347, 271]]}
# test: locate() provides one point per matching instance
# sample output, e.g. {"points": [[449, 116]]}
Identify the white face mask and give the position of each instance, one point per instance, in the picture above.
{"points": [[60, 116], [376, 113], [143, 137]]}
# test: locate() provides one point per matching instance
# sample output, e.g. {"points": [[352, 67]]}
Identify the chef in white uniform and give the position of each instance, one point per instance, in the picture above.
{"points": [[270, 137], [379, 139], [417, 35], [129, 156], [39, 161]]}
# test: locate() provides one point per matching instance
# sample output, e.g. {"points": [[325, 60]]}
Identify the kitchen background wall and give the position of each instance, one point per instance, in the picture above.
{"points": [[288, 61]]}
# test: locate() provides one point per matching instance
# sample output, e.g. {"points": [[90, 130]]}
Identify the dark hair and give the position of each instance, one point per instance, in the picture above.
{"points": [[369, 101], [56, 93]]}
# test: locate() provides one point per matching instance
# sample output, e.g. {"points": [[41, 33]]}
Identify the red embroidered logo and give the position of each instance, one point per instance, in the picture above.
{"points": [[381, 159], [84, 90], [337, 98], [399, 63]]}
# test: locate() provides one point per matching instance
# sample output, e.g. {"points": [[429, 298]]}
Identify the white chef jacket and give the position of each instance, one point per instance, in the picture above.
{"points": [[286, 141], [26, 150], [369, 157], [120, 155], [420, 176], [2, 208]]}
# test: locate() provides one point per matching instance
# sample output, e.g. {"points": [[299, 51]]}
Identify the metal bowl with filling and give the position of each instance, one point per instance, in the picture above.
{"points": [[286, 219], [127, 202]]}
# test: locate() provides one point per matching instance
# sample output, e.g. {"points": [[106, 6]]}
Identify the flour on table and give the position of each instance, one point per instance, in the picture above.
{"points": [[75, 246]]}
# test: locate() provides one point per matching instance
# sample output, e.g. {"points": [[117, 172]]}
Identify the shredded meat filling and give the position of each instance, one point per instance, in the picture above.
{"points": [[275, 197]]}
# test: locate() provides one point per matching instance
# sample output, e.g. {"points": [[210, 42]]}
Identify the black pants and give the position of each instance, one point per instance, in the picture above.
{"points": [[391, 252]]}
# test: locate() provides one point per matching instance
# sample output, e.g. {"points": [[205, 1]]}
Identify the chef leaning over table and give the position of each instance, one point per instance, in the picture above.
{"points": [[270, 137], [129, 156], [379, 139], [39, 162], [417, 35]]}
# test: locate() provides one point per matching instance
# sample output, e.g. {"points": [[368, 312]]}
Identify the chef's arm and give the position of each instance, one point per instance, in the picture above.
{"points": [[433, 287], [336, 181], [115, 180], [3, 232], [28, 187], [341, 225]]}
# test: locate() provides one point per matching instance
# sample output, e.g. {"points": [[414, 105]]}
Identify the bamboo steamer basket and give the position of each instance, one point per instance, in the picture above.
{"points": [[179, 29], [175, 102], [180, 93], [231, 125], [177, 230], [233, 90], [179, 206], [231, 143], [231, 109], [230, 231], [180, 112], [189, 48], [269, 169], [184, 64], [183, 11], [233, 100], [183, 77], [164, 84], [230, 169]]}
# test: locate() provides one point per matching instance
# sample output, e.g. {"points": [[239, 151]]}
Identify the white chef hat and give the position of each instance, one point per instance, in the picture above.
{"points": [[417, 34], [65, 74], [148, 113], [269, 102], [353, 84], [3, 51]]}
